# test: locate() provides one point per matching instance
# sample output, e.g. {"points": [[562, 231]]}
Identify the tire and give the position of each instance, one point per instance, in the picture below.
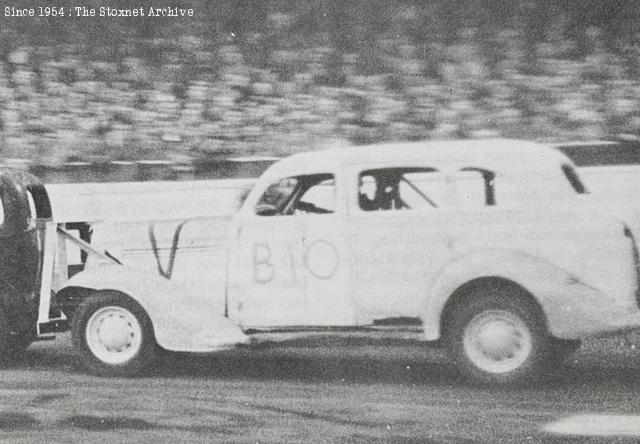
{"points": [[496, 336], [113, 335]]}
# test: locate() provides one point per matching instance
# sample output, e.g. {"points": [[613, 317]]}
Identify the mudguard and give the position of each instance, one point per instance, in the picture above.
{"points": [[182, 321], [573, 309]]}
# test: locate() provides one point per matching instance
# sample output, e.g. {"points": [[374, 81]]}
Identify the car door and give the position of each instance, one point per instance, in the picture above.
{"points": [[266, 286], [326, 255], [399, 230], [289, 267]]}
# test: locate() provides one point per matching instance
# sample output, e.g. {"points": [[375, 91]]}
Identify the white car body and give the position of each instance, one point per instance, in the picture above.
{"points": [[505, 209]]}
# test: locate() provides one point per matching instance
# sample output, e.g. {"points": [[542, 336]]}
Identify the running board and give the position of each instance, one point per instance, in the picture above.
{"points": [[369, 335]]}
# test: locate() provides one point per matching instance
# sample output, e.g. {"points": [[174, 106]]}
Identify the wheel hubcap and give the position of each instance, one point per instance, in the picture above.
{"points": [[114, 335], [497, 341]]}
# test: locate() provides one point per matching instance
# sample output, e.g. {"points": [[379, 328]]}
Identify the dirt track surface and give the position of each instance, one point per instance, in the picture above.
{"points": [[314, 394]]}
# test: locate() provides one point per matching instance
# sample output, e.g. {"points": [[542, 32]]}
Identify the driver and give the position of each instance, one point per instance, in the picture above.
{"points": [[367, 193]]}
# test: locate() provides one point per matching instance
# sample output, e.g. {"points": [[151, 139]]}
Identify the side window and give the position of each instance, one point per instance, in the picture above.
{"points": [[401, 188], [319, 196], [475, 187], [309, 194]]}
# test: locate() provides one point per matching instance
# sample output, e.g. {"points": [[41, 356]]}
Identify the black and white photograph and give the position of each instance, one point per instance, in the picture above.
{"points": [[320, 221]]}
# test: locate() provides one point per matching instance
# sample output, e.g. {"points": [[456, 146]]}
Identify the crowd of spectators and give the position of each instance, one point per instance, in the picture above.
{"points": [[180, 98]]}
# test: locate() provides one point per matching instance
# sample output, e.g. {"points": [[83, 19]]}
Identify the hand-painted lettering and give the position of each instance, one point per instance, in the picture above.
{"points": [[263, 271], [172, 252], [321, 259], [292, 264]]}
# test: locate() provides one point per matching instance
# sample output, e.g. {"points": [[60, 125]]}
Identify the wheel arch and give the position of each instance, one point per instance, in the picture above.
{"points": [[182, 320], [71, 297], [466, 290], [557, 293], [68, 298]]}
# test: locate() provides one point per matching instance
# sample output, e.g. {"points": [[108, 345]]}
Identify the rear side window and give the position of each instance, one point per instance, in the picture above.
{"points": [[574, 180], [475, 187], [423, 189], [401, 189]]}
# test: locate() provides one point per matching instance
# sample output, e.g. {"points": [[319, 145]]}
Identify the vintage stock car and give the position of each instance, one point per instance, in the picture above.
{"points": [[490, 248]]}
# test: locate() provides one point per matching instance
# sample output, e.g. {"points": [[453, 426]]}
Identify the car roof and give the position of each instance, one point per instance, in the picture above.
{"points": [[500, 155]]}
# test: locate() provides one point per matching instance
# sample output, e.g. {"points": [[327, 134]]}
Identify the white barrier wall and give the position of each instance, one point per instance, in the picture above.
{"points": [[128, 201]]}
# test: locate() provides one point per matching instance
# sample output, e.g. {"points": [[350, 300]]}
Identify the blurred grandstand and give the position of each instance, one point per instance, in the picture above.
{"points": [[267, 78]]}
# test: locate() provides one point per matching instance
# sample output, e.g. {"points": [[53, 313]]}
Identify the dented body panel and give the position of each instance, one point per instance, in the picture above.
{"points": [[182, 320]]}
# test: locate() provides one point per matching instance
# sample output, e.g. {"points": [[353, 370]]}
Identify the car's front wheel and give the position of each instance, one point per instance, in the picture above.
{"points": [[496, 336], [113, 334]]}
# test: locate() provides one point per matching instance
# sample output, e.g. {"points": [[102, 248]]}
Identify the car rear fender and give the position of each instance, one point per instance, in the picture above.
{"points": [[571, 307], [182, 321]]}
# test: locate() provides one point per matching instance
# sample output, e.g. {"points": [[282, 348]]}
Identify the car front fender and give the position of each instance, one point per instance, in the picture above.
{"points": [[182, 321]]}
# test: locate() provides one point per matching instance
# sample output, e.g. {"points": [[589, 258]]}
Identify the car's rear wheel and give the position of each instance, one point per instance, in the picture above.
{"points": [[113, 334], [496, 336]]}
